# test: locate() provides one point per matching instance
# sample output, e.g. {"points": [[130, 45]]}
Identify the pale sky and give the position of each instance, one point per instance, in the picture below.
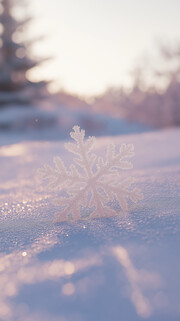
{"points": [[95, 43]]}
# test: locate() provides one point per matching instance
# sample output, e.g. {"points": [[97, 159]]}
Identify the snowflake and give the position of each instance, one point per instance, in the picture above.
{"points": [[93, 185]]}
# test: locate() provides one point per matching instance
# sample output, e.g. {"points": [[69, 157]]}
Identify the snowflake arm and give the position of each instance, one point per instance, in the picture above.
{"points": [[59, 177], [122, 193], [82, 149]]}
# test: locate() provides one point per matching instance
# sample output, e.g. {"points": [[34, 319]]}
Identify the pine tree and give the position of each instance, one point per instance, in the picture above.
{"points": [[15, 88]]}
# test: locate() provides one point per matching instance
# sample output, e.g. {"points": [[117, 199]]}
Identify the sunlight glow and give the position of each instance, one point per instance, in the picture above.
{"points": [[13, 150], [95, 44], [68, 289]]}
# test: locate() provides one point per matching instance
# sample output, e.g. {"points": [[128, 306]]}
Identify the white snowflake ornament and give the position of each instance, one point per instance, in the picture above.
{"points": [[93, 185]]}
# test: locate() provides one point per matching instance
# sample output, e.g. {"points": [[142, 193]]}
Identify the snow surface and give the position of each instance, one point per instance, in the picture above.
{"points": [[121, 268]]}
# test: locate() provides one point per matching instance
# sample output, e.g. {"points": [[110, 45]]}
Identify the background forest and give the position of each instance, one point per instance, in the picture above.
{"points": [[152, 100]]}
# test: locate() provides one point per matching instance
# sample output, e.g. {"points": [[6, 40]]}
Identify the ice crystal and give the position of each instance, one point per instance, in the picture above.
{"points": [[93, 185]]}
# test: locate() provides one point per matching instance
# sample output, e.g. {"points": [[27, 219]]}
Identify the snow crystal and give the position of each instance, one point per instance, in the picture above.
{"points": [[93, 186]]}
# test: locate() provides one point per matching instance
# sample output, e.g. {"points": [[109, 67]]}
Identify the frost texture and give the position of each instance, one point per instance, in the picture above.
{"points": [[93, 185]]}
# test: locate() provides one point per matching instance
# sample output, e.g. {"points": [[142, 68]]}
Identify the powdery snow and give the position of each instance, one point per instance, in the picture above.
{"points": [[115, 268]]}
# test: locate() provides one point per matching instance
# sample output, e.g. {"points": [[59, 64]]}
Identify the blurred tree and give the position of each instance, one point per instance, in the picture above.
{"points": [[15, 88], [154, 98]]}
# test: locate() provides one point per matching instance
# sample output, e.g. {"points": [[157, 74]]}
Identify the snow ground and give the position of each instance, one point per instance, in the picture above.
{"points": [[121, 268]]}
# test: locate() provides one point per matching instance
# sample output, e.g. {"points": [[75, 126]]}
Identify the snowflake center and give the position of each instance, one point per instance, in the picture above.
{"points": [[92, 180]]}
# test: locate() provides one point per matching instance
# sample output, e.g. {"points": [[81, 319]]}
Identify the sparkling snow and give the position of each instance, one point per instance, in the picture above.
{"points": [[114, 268]]}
